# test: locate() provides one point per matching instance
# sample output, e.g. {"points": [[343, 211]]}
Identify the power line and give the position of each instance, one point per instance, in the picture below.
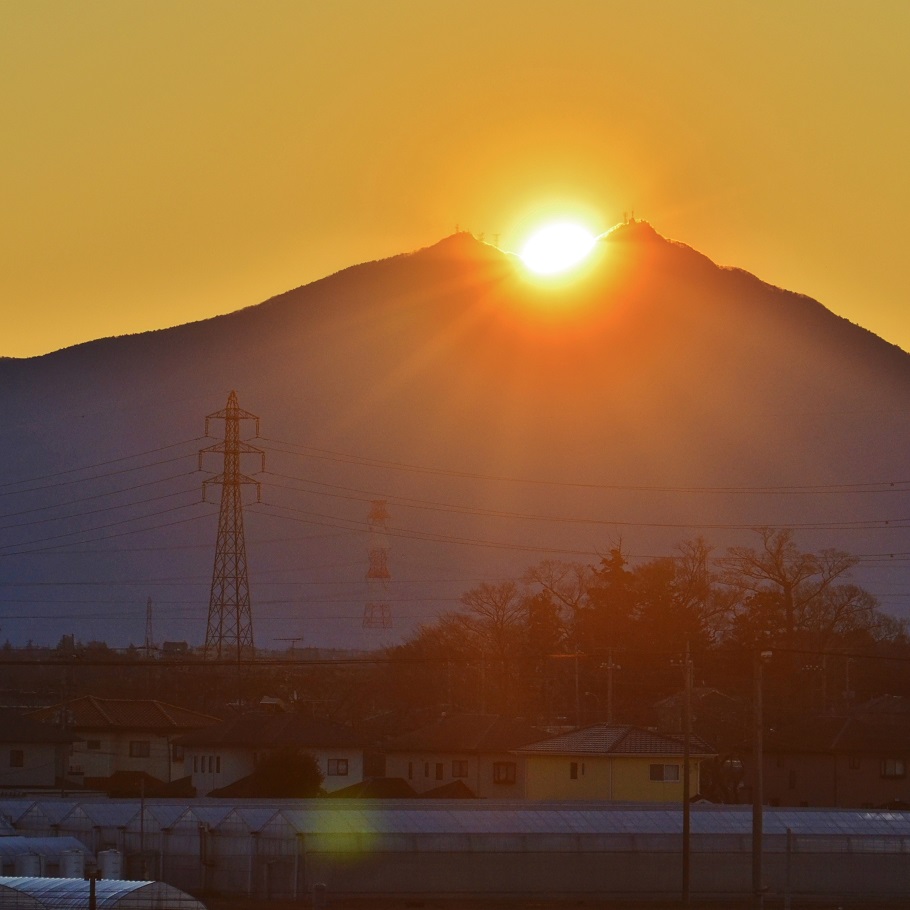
{"points": [[365, 461], [99, 464]]}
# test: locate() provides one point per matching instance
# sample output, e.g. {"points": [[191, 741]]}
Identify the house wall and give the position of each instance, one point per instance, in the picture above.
{"points": [[820, 780], [419, 769], [613, 778], [41, 763], [211, 767], [113, 754]]}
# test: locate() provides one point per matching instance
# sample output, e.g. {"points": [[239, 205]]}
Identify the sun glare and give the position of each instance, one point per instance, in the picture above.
{"points": [[557, 247]]}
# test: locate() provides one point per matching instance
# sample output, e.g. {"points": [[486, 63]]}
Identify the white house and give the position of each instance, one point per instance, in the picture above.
{"points": [[219, 756], [123, 736]]}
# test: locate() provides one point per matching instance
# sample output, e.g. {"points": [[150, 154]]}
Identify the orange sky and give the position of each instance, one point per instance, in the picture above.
{"points": [[164, 161]]}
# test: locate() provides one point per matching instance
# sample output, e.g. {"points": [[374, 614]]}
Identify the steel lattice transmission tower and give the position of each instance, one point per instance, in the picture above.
{"points": [[229, 633], [377, 612]]}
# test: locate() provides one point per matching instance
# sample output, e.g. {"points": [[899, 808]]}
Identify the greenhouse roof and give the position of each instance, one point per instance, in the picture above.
{"points": [[486, 816], [73, 894], [50, 847]]}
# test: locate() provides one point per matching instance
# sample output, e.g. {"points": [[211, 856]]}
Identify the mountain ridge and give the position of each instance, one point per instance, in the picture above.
{"points": [[656, 368]]}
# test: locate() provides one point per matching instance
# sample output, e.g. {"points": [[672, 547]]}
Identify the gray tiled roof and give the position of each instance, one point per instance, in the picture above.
{"points": [[466, 733], [92, 713], [616, 739]]}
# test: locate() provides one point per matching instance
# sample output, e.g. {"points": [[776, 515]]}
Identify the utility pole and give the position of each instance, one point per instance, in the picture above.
{"points": [[687, 736], [758, 778], [610, 667], [149, 640], [229, 631], [293, 642]]}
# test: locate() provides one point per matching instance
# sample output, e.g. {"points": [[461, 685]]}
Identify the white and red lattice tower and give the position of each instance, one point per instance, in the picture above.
{"points": [[377, 612], [229, 632]]}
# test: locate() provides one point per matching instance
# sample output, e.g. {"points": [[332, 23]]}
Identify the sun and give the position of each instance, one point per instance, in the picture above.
{"points": [[557, 247]]}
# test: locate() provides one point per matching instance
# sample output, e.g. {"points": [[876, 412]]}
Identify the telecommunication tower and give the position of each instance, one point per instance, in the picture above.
{"points": [[229, 633], [377, 612]]}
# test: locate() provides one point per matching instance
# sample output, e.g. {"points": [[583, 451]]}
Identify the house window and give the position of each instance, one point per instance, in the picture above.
{"points": [[140, 748], [218, 764], [664, 772], [177, 753], [16, 758], [573, 770], [93, 745], [854, 763], [439, 770], [893, 768], [504, 772], [460, 768], [337, 767], [195, 764]]}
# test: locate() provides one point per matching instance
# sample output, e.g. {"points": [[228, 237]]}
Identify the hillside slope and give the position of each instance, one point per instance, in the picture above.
{"points": [[504, 420]]}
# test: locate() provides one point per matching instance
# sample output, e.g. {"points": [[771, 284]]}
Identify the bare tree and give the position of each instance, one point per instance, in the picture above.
{"points": [[780, 570]]}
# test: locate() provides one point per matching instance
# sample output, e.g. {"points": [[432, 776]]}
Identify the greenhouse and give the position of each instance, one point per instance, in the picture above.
{"points": [[74, 894], [283, 849]]}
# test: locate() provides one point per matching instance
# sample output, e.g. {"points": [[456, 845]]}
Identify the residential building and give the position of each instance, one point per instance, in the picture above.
{"points": [[859, 760], [32, 755], [474, 749], [611, 762], [224, 754], [117, 736]]}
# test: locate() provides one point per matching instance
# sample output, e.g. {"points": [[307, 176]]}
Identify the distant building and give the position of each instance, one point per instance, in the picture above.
{"points": [[858, 760], [611, 762], [32, 754], [224, 754], [473, 749], [113, 736]]}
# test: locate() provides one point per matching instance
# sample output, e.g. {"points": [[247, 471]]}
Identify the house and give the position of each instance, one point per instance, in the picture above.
{"points": [[858, 760], [32, 754], [221, 755], [474, 749], [117, 737], [612, 762], [715, 716]]}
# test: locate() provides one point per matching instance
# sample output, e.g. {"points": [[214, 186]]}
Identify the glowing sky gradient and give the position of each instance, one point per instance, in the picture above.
{"points": [[166, 161]]}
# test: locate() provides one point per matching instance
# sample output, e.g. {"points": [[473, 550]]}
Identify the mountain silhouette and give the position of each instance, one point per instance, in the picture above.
{"points": [[505, 419]]}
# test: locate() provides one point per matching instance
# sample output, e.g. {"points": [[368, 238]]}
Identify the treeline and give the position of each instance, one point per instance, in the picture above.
{"points": [[572, 643], [566, 644]]}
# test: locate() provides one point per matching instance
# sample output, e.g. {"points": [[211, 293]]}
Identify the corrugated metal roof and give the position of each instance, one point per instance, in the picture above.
{"points": [[616, 739]]}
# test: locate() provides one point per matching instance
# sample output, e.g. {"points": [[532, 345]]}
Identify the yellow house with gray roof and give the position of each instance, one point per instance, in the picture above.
{"points": [[611, 762]]}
